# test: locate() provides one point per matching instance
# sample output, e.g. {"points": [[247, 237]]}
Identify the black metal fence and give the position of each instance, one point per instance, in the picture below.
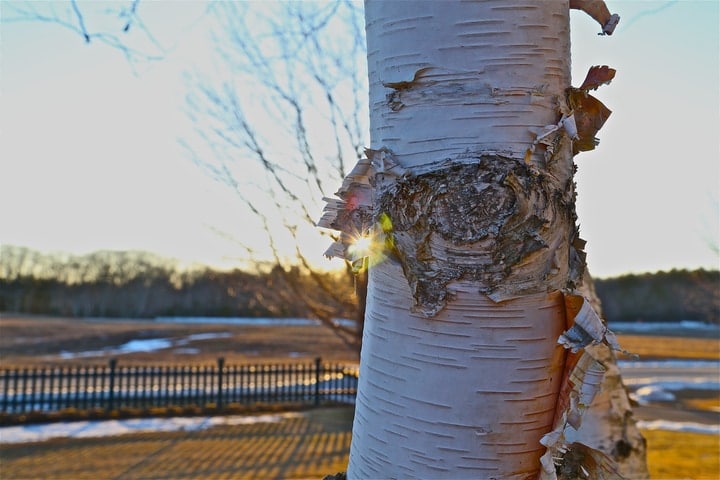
{"points": [[113, 387]]}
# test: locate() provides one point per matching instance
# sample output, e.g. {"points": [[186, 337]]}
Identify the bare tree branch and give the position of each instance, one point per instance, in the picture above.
{"points": [[95, 23], [81, 21], [290, 106]]}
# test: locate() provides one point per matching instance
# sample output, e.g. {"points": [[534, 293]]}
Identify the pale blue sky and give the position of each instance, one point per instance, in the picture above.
{"points": [[90, 159]]}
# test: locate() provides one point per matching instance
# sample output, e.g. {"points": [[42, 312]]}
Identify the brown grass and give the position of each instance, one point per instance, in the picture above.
{"points": [[648, 347], [682, 455], [711, 404], [310, 447], [40, 340]]}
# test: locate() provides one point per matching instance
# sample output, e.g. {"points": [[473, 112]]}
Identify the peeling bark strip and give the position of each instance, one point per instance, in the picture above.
{"points": [[585, 369], [599, 11]]}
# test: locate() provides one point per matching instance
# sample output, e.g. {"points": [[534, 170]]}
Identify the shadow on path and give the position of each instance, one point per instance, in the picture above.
{"points": [[313, 444]]}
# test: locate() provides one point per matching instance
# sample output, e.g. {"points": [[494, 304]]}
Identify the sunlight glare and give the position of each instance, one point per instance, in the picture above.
{"points": [[361, 246]]}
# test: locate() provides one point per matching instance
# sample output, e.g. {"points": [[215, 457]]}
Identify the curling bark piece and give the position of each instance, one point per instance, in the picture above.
{"points": [[350, 214], [598, 11], [588, 112], [584, 375], [582, 116], [353, 215]]}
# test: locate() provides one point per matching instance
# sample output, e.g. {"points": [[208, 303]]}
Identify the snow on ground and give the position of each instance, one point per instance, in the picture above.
{"points": [[657, 381], [254, 321], [105, 428], [649, 382], [628, 364], [662, 391], [678, 426], [260, 321], [147, 345], [655, 327]]}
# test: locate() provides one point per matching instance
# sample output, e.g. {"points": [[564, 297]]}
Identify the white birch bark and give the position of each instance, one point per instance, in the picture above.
{"points": [[469, 195], [468, 391]]}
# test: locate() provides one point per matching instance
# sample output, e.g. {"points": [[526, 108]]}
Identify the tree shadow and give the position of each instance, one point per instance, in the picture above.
{"points": [[308, 445]]}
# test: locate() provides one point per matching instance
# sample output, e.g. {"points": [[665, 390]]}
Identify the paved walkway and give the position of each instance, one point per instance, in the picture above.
{"points": [[311, 445]]}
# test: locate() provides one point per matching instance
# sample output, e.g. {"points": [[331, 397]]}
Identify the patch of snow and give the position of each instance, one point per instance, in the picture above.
{"points": [[87, 354], [626, 364], [206, 336], [146, 345], [645, 395], [99, 428], [678, 426], [187, 351], [265, 322], [673, 375], [662, 326], [251, 420], [674, 384], [649, 390]]}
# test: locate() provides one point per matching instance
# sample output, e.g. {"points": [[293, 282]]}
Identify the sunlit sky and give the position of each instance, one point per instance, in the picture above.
{"points": [[90, 156]]}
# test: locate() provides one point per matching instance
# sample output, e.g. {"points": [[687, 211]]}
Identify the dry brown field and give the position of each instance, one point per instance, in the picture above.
{"points": [[31, 341], [656, 346], [308, 446]]}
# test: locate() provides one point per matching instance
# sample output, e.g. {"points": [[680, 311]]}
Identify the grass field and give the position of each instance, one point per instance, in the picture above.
{"points": [[682, 455], [308, 446], [650, 347], [40, 340]]}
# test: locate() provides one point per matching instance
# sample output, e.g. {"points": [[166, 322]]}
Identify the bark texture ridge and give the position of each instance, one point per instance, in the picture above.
{"points": [[489, 73], [474, 392]]}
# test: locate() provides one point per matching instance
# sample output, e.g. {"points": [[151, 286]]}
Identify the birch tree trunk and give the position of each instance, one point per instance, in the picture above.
{"points": [[458, 380], [467, 195]]}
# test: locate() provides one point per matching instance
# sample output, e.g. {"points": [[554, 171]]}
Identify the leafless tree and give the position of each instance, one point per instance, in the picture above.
{"points": [[281, 120], [278, 130]]}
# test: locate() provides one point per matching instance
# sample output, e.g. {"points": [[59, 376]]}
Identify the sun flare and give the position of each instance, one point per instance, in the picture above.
{"points": [[362, 246]]}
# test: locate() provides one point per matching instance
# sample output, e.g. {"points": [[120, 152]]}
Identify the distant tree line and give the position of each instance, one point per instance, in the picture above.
{"points": [[142, 285], [662, 296]]}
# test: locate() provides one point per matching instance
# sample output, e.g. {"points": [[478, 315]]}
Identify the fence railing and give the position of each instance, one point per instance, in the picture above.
{"points": [[113, 386]]}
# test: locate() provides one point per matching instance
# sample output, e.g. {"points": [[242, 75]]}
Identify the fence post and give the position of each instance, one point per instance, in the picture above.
{"points": [[220, 364], [318, 368], [6, 391], [111, 393], [15, 387], [24, 389]]}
